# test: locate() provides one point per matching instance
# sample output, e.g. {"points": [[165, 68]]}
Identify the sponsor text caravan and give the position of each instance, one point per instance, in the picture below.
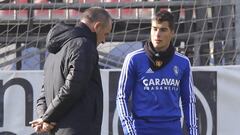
{"points": [[161, 84]]}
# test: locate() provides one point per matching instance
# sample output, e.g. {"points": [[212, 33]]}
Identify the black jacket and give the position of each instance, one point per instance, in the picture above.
{"points": [[72, 92]]}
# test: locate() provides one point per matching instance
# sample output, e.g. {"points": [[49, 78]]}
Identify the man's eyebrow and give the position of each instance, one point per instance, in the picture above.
{"points": [[164, 28]]}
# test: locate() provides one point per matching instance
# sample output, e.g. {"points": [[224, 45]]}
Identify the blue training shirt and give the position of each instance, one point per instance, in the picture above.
{"points": [[156, 94]]}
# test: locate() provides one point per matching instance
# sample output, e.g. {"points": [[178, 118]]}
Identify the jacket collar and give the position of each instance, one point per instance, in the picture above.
{"points": [[84, 31]]}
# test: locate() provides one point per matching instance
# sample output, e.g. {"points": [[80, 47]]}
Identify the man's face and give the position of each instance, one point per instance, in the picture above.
{"points": [[161, 35], [102, 32]]}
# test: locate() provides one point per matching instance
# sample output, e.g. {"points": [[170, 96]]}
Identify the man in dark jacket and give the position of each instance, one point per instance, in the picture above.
{"points": [[71, 100]]}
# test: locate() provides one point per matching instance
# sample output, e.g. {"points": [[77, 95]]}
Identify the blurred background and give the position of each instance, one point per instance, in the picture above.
{"points": [[206, 30]]}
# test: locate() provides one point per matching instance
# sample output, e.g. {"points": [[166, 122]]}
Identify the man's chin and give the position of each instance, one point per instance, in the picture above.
{"points": [[98, 43], [157, 44]]}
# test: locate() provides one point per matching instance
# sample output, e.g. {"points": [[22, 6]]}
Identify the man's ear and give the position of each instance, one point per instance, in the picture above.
{"points": [[97, 26], [173, 33]]}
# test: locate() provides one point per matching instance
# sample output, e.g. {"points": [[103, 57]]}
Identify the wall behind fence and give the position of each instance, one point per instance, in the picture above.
{"points": [[217, 91]]}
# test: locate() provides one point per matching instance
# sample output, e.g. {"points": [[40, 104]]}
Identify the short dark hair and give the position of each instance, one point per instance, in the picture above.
{"points": [[94, 14], [164, 15]]}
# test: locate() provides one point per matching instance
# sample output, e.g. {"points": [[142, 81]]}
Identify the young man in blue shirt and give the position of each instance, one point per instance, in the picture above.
{"points": [[157, 77]]}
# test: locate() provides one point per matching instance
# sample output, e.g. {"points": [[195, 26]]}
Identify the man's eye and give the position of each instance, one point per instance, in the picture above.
{"points": [[164, 30]]}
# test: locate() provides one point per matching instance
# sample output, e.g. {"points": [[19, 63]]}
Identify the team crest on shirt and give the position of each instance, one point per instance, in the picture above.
{"points": [[176, 70], [158, 63]]}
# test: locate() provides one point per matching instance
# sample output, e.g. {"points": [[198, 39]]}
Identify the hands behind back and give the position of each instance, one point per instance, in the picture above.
{"points": [[42, 127]]}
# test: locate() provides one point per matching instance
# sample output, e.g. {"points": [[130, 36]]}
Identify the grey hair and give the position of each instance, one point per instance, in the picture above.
{"points": [[94, 14]]}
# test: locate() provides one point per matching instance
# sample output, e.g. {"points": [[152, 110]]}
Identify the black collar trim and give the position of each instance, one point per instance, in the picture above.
{"points": [[158, 59]]}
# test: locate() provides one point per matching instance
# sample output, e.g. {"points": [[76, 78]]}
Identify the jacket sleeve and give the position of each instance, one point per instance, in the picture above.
{"points": [[125, 87], [81, 61], [189, 101], [41, 103]]}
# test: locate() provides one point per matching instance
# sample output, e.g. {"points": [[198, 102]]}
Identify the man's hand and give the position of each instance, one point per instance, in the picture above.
{"points": [[48, 126], [40, 126]]}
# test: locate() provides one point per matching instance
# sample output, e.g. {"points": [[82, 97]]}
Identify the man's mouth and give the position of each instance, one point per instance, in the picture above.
{"points": [[158, 40]]}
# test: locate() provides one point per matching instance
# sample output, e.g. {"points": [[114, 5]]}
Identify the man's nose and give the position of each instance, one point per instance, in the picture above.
{"points": [[158, 33], [103, 41]]}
